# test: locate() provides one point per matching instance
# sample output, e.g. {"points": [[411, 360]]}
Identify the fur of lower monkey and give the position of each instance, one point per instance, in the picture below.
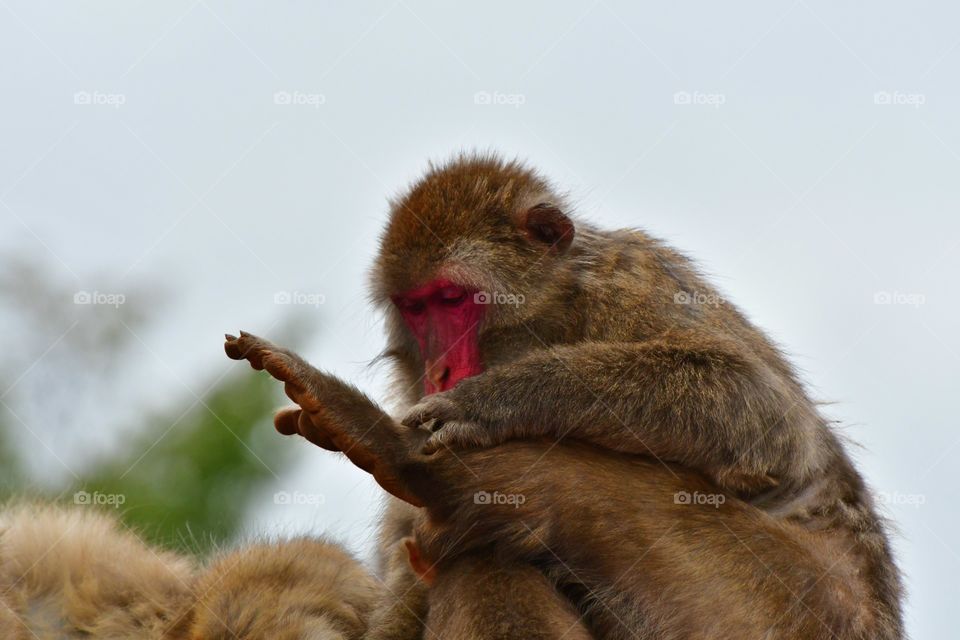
{"points": [[72, 573], [300, 589], [68, 573]]}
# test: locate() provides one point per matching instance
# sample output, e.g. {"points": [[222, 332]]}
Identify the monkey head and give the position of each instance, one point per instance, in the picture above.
{"points": [[472, 250]]}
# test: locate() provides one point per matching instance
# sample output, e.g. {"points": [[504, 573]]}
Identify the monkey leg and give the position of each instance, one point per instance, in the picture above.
{"points": [[647, 550]]}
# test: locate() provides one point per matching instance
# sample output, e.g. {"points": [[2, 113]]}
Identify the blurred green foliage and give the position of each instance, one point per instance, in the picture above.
{"points": [[186, 478], [185, 481], [11, 473], [188, 486]]}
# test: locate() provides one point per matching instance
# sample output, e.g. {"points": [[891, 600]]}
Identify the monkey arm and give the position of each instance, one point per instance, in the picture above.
{"points": [[704, 402]]}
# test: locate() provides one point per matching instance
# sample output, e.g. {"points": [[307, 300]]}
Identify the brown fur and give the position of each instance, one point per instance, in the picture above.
{"points": [[638, 564], [605, 528], [480, 596], [604, 351], [298, 589], [65, 573], [72, 573]]}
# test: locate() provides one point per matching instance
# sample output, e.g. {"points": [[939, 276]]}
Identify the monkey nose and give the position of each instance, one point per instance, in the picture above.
{"points": [[438, 376]]}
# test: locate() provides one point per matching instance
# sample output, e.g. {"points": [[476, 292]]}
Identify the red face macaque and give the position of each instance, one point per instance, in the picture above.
{"points": [[511, 322], [443, 317]]}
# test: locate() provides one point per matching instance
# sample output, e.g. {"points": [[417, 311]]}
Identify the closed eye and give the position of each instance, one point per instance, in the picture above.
{"points": [[452, 296], [410, 305]]}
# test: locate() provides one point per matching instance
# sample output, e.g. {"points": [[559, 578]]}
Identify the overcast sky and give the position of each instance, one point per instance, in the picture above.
{"points": [[807, 154]]}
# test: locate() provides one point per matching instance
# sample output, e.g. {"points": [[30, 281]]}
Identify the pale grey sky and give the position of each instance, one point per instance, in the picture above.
{"points": [[807, 154]]}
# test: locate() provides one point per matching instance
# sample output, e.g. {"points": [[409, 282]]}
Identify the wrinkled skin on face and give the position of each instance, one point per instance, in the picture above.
{"points": [[444, 318]]}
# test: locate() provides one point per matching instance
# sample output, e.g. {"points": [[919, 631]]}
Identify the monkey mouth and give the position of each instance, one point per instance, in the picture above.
{"points": [[446, 376]]}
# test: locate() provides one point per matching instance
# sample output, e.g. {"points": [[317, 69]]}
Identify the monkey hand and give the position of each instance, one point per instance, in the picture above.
{"points": [[442, 415], [289, 368], [333, 415]]}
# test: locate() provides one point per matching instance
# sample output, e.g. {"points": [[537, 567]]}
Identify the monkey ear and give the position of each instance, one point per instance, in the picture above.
{"points": [[547, 224]]}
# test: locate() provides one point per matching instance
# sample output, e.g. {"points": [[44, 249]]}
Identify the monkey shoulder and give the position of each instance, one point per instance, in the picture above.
{"points": [[641, 270]]}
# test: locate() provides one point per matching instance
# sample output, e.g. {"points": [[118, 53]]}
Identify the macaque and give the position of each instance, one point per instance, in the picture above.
{"points": [[593, 444], [598, 374], [77, 573]]}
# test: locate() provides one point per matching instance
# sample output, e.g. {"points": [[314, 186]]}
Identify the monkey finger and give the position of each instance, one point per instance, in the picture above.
{"points": [[434, 443], [286, 420], [246, 347], [279, 366], [307, 427], [433, 408], [296, 391], [293, 391], [295, 374], [236, 351], [458, 435], [295, 421]]}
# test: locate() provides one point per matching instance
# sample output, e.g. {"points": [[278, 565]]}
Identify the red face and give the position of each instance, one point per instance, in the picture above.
{"points": [[444, 318]]}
